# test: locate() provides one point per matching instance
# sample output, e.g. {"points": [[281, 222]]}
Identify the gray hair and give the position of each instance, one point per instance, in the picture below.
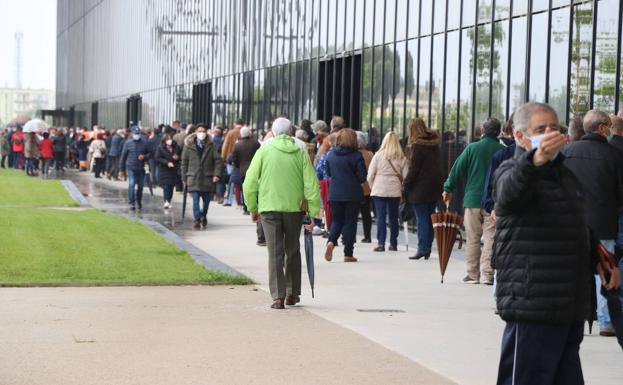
{"points": [[362, 139], [521, 116], [302, 135], [617, 125], [245, 132], [282, 126], [320, 126], [593, 119], [337, 123]]}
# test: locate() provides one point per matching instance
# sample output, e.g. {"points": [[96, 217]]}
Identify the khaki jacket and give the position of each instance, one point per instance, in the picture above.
{"points": [[383, 180]]}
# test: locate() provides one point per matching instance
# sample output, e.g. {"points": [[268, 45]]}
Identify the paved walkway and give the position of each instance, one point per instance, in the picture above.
{"points": [[182, 335], [449, 328]]}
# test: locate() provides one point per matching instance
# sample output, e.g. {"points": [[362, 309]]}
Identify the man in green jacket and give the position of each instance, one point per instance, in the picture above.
{"points": [[472, 165], [279, 186]]}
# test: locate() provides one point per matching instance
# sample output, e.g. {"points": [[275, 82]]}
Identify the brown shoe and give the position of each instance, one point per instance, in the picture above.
{"points": [[328, 254], [350, 259], [607, 332], [197, 225], [292, 300], [278, 304]]}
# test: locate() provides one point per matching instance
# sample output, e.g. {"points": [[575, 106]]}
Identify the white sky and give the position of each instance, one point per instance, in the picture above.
{"points": [[36, 19]]}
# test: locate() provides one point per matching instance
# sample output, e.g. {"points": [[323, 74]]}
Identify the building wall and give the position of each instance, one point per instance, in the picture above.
{"points": [[451, 62]]}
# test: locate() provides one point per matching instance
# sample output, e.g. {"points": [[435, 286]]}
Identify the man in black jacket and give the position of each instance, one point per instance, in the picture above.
{"points": [[243, 153], [599, 168], [133, 157], [542, 254]]}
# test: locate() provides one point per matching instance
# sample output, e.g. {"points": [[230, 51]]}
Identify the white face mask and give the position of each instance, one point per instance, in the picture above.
{"points": [[136, 136], [169, 142], [201, 136]]}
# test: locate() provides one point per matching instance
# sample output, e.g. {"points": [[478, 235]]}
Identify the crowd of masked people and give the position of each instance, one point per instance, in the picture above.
{"points": [[541, 206]]}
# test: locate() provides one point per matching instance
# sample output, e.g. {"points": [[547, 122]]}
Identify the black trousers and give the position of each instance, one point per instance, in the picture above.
{"points": [[100, 163], [366, 216], [541, 354], [167, 190]]}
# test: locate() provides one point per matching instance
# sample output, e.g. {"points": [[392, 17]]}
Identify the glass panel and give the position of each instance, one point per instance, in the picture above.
{"points": [[379, 21], [339, 38], [414, 14], [559, 53], [502, 9], [606, 53], [411, 87], [469, 12], [437, 85], [366, 88], [401, 19], [581, 59], [484, 11], [426, 11], [538, 57], [519, 8], [315, 28], [388, 86], [559, 3], [539, 5], [377, 87], [424, 80], [369, 23], [440, 15], [359, 22], [482, 75], [390, 19], [350, 24], [452, 81], [518, 64], [454, 14], [500, 70], [324, 22], [399, 90], [467, 59]]}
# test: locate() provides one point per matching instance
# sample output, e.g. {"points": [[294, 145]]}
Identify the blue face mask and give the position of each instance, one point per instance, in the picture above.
{"points": [[535, 141]]}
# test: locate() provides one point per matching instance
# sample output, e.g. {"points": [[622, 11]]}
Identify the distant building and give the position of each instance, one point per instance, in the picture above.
{"points": [[16, 101]]}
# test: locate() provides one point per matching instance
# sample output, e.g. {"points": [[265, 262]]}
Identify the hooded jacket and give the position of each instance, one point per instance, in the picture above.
{"points": [[130, 153], [280, 177], [198, 170], [424, 182], [347, 170], [542, 246], [166, 175], [243, 153]]}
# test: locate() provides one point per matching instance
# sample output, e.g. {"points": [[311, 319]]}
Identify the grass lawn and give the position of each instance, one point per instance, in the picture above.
{"points": [[41, 246], [17, 189]]}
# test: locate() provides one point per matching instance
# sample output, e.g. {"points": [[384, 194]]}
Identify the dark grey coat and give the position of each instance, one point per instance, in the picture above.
{"points": [[198, 172]]}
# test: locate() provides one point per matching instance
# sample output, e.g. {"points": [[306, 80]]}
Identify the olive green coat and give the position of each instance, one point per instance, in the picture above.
{"points": [[198, 173]]}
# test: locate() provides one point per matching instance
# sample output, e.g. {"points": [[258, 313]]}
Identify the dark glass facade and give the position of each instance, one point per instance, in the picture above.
{"points": [[376, 62]]}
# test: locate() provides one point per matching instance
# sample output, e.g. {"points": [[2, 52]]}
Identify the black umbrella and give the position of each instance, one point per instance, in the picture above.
{"points": [[184, 199], [149, 184], [309, 254], [615, 310]]}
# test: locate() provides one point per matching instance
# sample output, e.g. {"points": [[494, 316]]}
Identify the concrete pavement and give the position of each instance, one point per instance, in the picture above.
{"points": [[449, 328]]}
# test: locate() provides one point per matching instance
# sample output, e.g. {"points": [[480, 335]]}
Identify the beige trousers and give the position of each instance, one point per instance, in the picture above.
{"points": [[478, 223]]}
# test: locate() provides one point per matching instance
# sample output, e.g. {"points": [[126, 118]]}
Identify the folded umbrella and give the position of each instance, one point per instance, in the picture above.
{"points": [[446, 226], [184, 199], [309, 255]]}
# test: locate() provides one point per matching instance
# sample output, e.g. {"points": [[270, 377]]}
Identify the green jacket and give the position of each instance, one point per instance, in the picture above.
{"points": [[472, 165], [280, 177]]}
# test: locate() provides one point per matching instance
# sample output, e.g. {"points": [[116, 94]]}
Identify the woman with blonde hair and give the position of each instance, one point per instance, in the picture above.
{"points": [[385, 177], [424, 182]]}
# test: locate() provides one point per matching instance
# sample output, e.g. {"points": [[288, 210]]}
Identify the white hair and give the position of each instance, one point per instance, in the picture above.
{"points": [[245, 132], [282, 126]]}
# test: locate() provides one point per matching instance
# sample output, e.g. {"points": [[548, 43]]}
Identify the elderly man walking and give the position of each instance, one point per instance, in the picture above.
{"points": [[472, 165], [278, 185], [599, 168], [542, 255]]}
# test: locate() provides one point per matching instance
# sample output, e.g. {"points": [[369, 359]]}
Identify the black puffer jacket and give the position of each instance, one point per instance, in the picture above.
{"points": [[542, 247], [168, 175], [599, 168]]}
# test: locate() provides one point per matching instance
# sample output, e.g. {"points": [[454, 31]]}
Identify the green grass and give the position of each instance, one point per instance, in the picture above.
{"points": [[17, 189], [62, 247]]}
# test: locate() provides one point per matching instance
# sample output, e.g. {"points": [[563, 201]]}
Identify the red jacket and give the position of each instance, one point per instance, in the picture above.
{"points": [[46, 149], [18, 141]]}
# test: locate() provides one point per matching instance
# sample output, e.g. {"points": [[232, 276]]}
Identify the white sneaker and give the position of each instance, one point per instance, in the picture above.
{"points": [[166, 205], [316, 230]]}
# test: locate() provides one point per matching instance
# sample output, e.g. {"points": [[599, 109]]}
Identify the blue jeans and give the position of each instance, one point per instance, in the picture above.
{"points": [[135, 178], [230, 193], [17, 159], [382, 207], [30, 166], [200, 213], [425, 234]]}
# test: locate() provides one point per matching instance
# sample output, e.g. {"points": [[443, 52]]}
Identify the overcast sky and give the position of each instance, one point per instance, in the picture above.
{"points": [[36, 19]]}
